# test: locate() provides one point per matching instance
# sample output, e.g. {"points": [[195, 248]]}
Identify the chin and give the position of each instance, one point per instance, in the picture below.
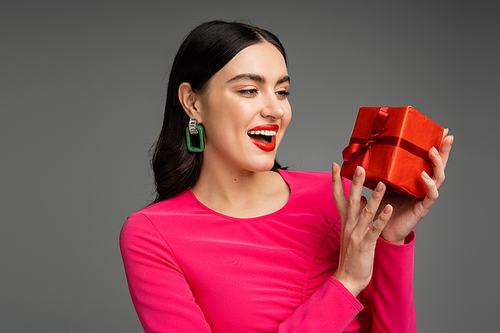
{"points": [[263, 166]]}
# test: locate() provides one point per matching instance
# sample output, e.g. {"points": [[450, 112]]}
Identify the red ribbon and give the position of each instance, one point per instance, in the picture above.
{"points": [[359, 146]]}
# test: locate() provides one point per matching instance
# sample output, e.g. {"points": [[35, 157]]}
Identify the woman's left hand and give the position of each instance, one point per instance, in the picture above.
{"points": [[409, 211]]}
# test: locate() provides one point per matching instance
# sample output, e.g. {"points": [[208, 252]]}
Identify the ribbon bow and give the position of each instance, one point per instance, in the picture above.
{"points": [[359, 146]]}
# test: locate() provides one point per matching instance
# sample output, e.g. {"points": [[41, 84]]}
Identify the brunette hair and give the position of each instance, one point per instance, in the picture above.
{"points": [[205, 50]]}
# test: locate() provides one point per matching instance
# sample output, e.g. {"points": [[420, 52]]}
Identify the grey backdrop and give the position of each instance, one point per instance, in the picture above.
{"points": [[82, 87]]}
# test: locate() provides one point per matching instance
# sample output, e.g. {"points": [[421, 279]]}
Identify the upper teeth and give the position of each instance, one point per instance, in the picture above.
{"points": [[266, 133]]}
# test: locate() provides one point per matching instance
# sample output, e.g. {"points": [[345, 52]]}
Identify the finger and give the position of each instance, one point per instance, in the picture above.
{"points": [[368, 213], [445, 133], [446, 148], [338, 192], [354, 198], [432, 193], [341, 203], [379, 224], [354, 201], [438, 166]]}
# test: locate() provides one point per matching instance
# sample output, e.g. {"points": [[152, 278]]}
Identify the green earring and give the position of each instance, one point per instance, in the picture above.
{"points": [[194, 128]]}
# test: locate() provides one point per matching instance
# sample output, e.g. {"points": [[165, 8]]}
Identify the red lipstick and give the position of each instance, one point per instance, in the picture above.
{"points": [[266, 127], [266, 146]]}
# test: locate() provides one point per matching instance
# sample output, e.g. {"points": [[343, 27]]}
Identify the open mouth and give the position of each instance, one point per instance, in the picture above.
{"points": [[262, 135]]}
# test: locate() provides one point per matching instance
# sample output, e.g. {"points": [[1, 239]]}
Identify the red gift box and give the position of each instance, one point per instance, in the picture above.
{"points": [[392, 145]]}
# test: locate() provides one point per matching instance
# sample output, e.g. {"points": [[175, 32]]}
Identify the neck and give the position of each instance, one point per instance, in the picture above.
{"points": [[241, 193], [229, 185]]}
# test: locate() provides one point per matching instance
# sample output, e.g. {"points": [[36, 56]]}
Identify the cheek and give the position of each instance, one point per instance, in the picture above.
{"points": [[285, 121], [287, 117]]}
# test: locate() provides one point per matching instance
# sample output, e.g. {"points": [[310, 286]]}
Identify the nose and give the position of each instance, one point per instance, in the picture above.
{"points": [[272, 108]]}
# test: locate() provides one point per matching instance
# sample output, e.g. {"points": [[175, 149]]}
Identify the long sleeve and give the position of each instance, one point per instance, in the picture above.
{"points": [[388, 299], [159, 290], [330, 309]]}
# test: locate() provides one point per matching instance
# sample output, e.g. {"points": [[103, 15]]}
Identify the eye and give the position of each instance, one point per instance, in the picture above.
{"points": [[248, 92], [283, 94]]}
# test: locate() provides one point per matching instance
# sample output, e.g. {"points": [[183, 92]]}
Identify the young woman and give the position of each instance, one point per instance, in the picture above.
{"points": [[234, 243]]}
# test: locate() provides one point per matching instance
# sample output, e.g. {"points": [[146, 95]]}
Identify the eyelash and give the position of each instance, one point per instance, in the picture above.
{"points": [[253, 92], [248, 92], [283, 94]]}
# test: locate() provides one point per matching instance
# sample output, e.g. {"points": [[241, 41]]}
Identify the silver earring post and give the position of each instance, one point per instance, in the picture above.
{"points": [[193, 122]]}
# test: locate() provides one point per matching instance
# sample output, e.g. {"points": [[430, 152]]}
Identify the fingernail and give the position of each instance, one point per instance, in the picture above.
{"points": [[379, 187], [426, 176], [452, 139], [358, 172], [434, 151], [335, 168], [387, 209]]}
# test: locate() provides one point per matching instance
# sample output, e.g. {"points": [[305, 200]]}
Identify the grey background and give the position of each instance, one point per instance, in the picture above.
{"points": [[82, 88]]}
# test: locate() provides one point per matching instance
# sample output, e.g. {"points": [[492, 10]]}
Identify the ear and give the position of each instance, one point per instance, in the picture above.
{"points": [[190, 101]]}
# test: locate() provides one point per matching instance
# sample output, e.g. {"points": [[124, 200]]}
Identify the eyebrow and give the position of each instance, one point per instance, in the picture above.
{"points": [[256, 78]]}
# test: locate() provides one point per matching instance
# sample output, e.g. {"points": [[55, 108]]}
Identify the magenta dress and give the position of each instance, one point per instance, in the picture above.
{"points": [[191, 269]]}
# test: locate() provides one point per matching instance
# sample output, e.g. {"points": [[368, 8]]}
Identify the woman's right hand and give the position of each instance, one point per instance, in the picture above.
{"points": [[358, 239]]}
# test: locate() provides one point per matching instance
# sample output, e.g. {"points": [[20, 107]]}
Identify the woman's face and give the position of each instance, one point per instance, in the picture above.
{"points": [[245, 110]]}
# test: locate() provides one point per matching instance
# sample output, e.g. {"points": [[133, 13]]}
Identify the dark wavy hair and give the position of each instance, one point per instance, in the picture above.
{"points": [[204, 51]]}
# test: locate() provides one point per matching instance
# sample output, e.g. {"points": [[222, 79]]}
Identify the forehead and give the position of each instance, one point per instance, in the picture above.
{"points": [[263, 59]]}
